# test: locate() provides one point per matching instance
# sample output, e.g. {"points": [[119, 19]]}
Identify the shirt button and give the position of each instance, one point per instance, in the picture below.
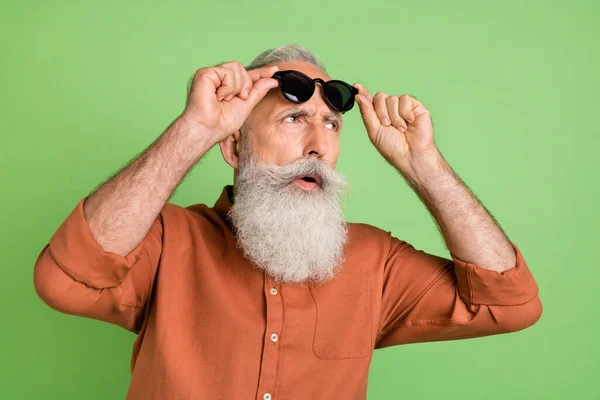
{"points": [[273, 291], [267, 396], [274, 337]]}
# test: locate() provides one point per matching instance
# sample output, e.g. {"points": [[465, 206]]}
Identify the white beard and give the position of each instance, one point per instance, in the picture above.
{"points": [[293, 235]]}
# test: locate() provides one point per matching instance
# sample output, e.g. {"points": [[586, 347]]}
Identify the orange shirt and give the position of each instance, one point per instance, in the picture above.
{"points": [[211, 326]]}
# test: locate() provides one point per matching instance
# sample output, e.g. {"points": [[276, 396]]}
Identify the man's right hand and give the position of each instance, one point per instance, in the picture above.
{"points": [[223, 96]]}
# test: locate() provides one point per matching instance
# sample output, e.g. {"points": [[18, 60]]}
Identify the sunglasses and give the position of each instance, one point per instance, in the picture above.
{"points": [[298, 88]]}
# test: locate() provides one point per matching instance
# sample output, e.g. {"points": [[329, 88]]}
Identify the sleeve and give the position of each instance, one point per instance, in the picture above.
{"points": [[429, 298], [74, 275]]}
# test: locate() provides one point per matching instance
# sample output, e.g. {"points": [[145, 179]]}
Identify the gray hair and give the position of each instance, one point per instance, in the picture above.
{"points": [[287, 52]]}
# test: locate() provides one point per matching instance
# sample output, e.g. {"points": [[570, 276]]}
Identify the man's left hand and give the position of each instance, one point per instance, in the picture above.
{"points": [[400, 127]]}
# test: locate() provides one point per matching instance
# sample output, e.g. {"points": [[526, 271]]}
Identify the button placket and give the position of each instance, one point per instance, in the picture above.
{"points": [[274, 322]]}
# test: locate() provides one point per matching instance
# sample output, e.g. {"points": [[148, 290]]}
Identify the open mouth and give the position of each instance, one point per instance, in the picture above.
{"points": [[308, 182]]}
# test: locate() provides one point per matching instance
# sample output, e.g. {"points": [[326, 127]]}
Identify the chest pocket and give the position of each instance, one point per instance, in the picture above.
{"points": [[343, 323]]}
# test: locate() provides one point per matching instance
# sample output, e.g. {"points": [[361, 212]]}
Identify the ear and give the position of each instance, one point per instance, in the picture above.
{"points": [[230, 149]]}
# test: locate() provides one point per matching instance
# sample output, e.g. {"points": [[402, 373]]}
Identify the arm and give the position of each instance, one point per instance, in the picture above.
{"points": [[101, 263], [486, 288], [469, 230], [102, 260], [122, 210], [430, 298], [402, 131]]}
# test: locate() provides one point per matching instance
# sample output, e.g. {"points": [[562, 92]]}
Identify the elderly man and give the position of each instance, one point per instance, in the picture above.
{"points": [[270, 294]]}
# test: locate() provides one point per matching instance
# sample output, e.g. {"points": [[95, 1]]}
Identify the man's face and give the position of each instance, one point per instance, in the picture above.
{"points": [[287, 213], [283, 131]]}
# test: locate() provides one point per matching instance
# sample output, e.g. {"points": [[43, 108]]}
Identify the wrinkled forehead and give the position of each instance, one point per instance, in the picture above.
{"points": [[307, 68], [274, 102]]}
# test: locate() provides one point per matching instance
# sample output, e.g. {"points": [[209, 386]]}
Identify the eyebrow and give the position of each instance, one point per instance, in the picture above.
{"points": [[300, 112]]}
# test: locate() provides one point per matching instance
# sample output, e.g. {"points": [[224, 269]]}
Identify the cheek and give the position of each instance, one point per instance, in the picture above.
{"points": [[334, 143], [334, 150], [278, 149], [288, 146]]}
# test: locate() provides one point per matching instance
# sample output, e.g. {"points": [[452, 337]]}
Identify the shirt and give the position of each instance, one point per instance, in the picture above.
{"points": [[210, 325]]}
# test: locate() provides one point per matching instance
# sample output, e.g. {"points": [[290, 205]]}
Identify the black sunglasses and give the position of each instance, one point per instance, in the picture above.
{"points": [[298, 88]]}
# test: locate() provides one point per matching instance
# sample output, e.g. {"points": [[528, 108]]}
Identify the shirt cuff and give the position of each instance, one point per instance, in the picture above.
{"points": [[477, 285], [77, 253]]}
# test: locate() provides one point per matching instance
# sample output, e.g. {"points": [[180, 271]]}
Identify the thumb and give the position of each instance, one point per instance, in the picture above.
{"points": [[260, 90], [368, 114]]}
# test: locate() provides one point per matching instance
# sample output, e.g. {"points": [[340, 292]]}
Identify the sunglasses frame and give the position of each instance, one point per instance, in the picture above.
{"points": [[312, 85]]}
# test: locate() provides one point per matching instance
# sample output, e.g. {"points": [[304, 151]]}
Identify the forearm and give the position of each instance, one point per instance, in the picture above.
{"points": [[469, 230], [122, 210]]}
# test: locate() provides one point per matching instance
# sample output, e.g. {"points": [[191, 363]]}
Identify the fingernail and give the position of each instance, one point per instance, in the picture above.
{"points": [[245, 93], [386, 121], [402, 129], [229, 97], [220, 97]]}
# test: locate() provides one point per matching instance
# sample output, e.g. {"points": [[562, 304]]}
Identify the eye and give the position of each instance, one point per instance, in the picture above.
{"points": [[333, 125], [291, 118]]}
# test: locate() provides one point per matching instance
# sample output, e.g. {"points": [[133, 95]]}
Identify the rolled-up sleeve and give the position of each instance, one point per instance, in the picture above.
{"points": [[431, 298], [73, 274], [482, 286]]}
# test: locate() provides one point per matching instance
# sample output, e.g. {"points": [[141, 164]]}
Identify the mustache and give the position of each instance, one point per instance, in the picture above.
{"points": [[282, 175], [292, 234]]}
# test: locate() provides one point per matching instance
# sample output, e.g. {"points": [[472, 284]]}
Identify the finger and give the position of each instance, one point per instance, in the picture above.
{"points": [[207, 81], [265, 72], [246, 84], [381, 108], [392, 103], [363, 91], [244, 81], [259, 90], [227, 85], [238, 70], [239, 79], [367, 112], [407, 106]]}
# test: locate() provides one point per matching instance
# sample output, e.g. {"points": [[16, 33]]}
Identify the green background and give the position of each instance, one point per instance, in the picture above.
{"points": [[513, 91]]}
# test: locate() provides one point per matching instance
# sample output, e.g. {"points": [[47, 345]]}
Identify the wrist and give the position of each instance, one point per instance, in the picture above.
{"points": [[422, 169], [183, 142], [194, 131]]}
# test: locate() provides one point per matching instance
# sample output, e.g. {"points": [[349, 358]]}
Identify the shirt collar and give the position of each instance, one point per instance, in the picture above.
{"points": [[223, 204]]}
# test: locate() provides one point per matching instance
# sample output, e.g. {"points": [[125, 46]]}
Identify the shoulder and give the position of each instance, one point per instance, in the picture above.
{"points": [[193, 215], [366, 233], [367, 237], [194, 210]]}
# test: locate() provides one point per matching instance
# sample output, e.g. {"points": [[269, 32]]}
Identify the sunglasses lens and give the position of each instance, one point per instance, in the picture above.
{"points": [[339, 95], [296, 87]]}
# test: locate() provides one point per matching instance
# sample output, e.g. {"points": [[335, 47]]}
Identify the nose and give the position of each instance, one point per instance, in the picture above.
{"points": [[316, 145]]}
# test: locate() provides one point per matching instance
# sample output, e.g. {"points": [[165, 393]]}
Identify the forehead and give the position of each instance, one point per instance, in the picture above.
{"points": [[274, 102], [309, 69]]}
